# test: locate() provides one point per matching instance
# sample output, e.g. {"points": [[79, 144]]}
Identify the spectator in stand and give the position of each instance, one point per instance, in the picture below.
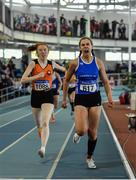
{"points": [[52, 19], [63, 25], [134, 32], [92, 26], [52, 25], [106, 29], [122, 30], [97, 30], [62, 19], [28, 24], [69, 28], [36, 25], [44, 20], [113, 27], [101, 26], [22, 20], [75, 25], [83, 22]]}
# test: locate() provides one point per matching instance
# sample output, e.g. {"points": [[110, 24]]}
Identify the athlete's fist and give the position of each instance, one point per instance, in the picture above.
{"points": [[41, 74], [110, 104]]}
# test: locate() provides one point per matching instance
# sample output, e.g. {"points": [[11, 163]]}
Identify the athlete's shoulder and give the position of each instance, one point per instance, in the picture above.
{"points": [[74, 62], [35, 61], [99, 62]]}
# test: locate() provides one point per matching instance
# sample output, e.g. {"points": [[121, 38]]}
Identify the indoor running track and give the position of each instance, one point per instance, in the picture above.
{"points": [[19, 144]]}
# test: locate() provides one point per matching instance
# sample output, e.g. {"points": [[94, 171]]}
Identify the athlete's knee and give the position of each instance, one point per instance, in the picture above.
{"points": [[92, 133], [81, 132], [45, 124]]}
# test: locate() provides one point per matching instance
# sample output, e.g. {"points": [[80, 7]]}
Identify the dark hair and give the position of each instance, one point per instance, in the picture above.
{"points": [[80, 53], [93, 52], [85, 37]]}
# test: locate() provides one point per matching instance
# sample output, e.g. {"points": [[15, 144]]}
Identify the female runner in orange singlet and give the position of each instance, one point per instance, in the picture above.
{"points": [[40, 73]]}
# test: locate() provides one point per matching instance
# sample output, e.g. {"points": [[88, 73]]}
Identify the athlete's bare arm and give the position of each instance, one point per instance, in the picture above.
{"points": [[26, 78], [71, 70], [61, 68], [69, 73]]}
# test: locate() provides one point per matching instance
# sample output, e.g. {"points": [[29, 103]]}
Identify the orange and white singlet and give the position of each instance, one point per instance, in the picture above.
{"points": [[43, 83]]}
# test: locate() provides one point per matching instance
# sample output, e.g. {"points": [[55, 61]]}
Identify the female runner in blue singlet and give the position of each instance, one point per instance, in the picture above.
{"points": [[87, 69]]}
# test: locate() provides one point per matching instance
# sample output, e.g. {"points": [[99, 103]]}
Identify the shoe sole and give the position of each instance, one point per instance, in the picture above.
{"points": [[76, 142], [92, 167]]}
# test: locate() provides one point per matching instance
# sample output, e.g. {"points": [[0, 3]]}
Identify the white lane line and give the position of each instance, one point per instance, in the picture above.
{"points": [[123, 157], [12, 105], [52, 170], [15, 142], [23, 117], [10, 112], [15, 120]]}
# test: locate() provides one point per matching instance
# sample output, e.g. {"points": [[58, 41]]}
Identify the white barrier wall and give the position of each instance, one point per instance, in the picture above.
{"points": [[133, 101]]}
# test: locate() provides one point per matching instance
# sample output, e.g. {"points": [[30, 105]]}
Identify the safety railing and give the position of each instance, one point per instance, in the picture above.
{"points": [[11, 92]]}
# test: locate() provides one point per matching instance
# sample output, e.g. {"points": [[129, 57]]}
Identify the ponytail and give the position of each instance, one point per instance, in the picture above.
{"points": [[80, 53], [34, 47], [93, 52]]}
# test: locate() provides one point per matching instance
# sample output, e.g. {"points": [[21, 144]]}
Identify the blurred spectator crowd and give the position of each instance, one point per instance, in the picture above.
{"points": [[10, 86], [102, 29]]}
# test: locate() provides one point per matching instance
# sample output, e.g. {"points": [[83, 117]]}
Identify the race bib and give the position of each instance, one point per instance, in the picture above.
{"points": [[42, 85], [88, 87], [54, 86]]}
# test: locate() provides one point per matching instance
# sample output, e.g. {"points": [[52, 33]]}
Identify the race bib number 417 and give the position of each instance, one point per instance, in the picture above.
{"points": [[88, 87]]}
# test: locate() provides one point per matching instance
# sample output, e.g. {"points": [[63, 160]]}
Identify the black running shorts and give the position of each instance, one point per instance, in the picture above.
{"points": [[40, 97], [70, 90], [88, 100]]}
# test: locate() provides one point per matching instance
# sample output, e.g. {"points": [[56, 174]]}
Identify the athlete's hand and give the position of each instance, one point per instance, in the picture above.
{"points": [[110, 104], [64, 104], [41, 74]]}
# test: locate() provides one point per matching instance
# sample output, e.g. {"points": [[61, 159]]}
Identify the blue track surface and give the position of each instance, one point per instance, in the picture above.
{"points": [[19, 143]]}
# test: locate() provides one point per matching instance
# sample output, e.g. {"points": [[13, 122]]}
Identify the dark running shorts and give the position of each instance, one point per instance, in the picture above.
{"points": [[55, 92], [40, 97], [70, 90], [88, 100]]}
